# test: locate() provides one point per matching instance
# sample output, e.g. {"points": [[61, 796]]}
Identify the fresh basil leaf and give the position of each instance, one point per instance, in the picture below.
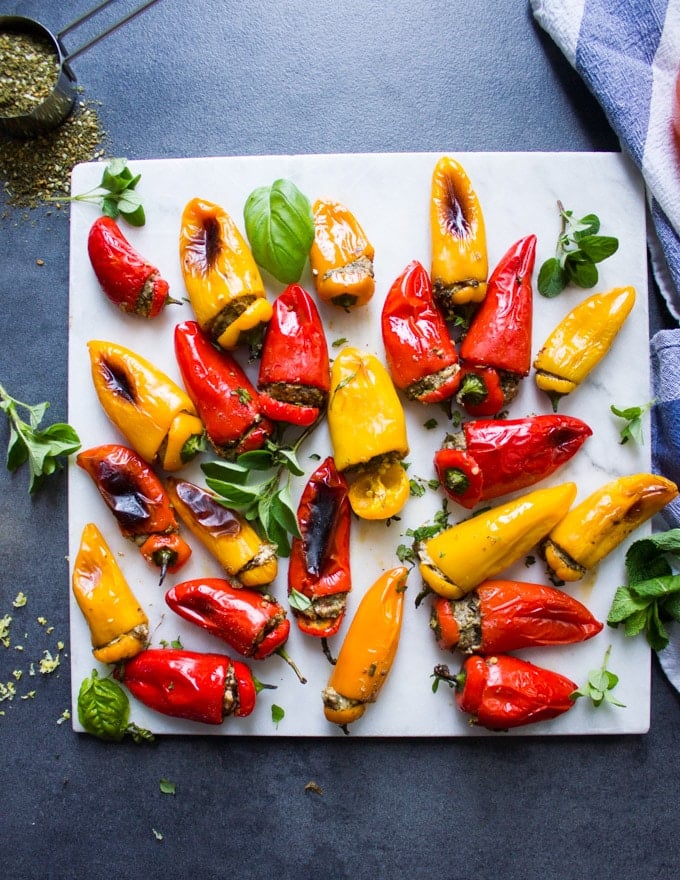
{"points": [[257, 460], [103, 708], [283, 512], [289, 460], [299, 601], [229, 471]]}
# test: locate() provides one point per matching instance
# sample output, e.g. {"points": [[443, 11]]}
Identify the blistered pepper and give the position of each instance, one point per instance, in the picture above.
{"points": [[187, 684], [368, 650], [319, 565], [151, 411], [225, 398], [294, 376], [226, 534], [421, 356], [499, 337], [501, 691], [596, 526], [221, 276], [129, 280], [138, 500], [458, 234], [252, 623], [368, 434], [490, 458], [580, 341], [341, 257], [504, 615], [458, 559], [119, 627]]}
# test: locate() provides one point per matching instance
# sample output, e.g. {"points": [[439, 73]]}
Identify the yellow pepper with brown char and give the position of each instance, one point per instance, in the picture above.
{"points": [[119, 628], [221, 276], [602, 521], [580, 341], [367, 427], [459, 254], [457, 560], [155, 415]]}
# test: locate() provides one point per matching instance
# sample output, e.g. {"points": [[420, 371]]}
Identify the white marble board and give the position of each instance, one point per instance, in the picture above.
{"points": [[389, 193]]}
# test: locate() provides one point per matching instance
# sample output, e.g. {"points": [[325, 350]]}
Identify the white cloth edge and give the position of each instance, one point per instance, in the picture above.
{"points": [[562, 24]]}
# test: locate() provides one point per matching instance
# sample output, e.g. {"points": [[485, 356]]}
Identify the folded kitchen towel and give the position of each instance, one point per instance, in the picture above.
{"points": [[665, 352], [628, 54]]}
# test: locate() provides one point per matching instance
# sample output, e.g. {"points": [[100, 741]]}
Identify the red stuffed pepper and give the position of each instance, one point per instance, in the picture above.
{"points": [[504, 615], [129, 280], [138, 500], [490, 458], [420, 353], [224, 397], [252, 623], [187, 684], [294, 377], [319, 565], [496, 351], [502, 691]]}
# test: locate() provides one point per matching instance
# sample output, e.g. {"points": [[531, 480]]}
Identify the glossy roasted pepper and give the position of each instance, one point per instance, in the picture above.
{"points": [[138, 500], [580, 341], [490, 458], [368, 650], [504, 615], [501, 691], [187, 684], [221, 276], [252, 623], [458, 559], [458, 233], [341, 257], [368, 434], [319, 565], [226, 534], [129, 280], [421, 356], [499, 337], [294, 377], [602, 521], [119, 627], [225, 398], [152, 412]]}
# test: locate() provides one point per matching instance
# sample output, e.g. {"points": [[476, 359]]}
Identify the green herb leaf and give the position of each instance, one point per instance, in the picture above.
{"points": [[599, 685], [299, 601], [116, 194], [633, 416], [598, 247], [552, 279], [277, 714], [167, 787], [103, 708], [280, 228]]}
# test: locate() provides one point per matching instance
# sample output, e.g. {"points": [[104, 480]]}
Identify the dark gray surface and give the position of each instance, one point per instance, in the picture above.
{"points": [[192, 79]]}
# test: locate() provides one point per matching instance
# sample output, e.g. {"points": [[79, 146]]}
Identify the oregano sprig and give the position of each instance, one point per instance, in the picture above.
{"points": [[116, 194], [600, 684], [632, 415]]}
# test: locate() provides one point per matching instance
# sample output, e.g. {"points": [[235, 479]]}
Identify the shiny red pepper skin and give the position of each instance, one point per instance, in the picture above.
{"points": [[319, 564], [188, 684], [501, 691], [420, 353], [505, 615], [250, 622], [126, 277], [499, 337], [294, 377], [226, 400], [138, 500], [497, 456]]}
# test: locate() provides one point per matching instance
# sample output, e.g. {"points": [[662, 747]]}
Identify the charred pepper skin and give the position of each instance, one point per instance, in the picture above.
{"points": [[226, 400], [602, 521], [458, 235], [151, 411], [341, 257], [221, 276], [119, 627], [489, 458], [319, 564], [421, 356], [507, 615], [187, 684], [225, 534], [130, 282], [137, 498], [368, 649], [499, 337], [294, 376]]}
